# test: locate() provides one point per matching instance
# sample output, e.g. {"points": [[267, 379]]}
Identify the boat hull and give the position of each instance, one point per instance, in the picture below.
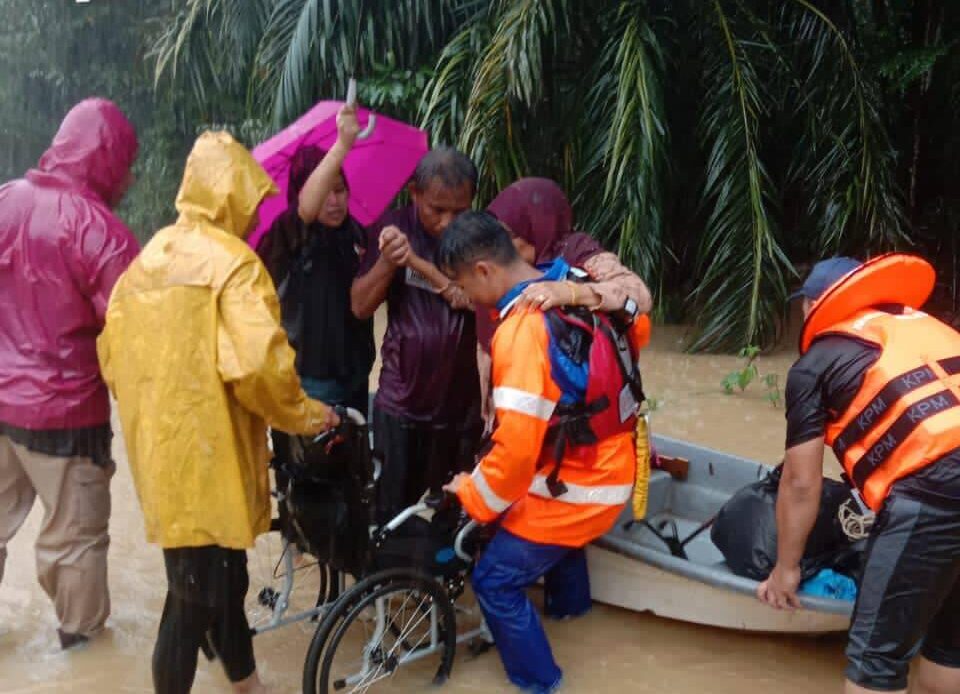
{"points": [[616, 579], [631, 568]]}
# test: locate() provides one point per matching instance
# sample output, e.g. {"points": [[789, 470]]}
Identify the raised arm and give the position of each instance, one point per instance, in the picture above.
{"points": [[324, 178]]}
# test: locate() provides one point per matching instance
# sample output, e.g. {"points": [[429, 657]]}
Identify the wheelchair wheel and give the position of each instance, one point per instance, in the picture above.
{"points": [[395, 630], [311, 585]]}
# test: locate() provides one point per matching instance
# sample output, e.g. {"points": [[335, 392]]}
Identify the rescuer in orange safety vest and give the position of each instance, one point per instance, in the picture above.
{"points": [[878, 380], [562, 462]]}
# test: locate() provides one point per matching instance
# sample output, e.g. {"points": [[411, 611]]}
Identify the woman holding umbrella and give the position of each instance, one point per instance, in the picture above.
{"points": [[312, 251]]}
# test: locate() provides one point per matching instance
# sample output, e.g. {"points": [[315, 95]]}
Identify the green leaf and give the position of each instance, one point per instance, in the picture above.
{"points": [[730, 381]]}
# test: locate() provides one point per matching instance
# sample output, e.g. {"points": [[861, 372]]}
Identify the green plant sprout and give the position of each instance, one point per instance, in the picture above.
{"points": [[748, 373]]}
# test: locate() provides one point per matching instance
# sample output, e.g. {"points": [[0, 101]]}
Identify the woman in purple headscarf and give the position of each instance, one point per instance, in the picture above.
{"points": [[539, 216], [312, 251]]}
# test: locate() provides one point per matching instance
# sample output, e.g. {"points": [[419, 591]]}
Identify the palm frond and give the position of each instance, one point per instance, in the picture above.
{"points": [[239, 28], [169, 46], [508, 75], [627, 159], [740, 264], [291, 56], [846, 161], [182, 53], [214, 41], [444, 102], [310, 48]]}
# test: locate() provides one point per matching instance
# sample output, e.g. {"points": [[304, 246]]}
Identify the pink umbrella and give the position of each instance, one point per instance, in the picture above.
{"points": [[376, 169]]}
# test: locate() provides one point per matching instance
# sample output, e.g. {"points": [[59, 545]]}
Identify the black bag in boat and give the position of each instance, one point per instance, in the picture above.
{"points": [[745, 532]]}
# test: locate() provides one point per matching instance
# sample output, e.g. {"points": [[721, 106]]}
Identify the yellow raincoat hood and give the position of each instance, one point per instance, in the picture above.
{"points": [[194, 354], [222, 185]]}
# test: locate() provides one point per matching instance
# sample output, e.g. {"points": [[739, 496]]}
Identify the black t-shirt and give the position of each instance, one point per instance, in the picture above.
{"points": [[820, 387], [823, 383], [313, 267], [337, 344]]}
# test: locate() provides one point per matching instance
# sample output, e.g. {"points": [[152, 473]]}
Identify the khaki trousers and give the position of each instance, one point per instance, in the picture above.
{"points": [[72, 544]]}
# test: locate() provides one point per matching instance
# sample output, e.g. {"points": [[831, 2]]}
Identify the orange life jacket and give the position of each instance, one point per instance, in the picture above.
{"points": [[512, 479], [907, 412], [613, 391]]}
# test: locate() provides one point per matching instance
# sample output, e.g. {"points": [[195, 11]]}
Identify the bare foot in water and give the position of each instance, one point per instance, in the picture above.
{"points": [[251, 685]]}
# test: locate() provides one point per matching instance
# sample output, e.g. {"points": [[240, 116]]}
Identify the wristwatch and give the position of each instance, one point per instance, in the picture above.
{"points": [[631, 309]]}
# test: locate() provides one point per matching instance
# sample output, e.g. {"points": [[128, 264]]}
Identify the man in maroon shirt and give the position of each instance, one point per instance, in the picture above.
{"points": [[426, 415]]}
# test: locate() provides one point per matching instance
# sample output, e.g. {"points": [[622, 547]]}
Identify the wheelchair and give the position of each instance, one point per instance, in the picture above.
{"points": [[388, 594]]}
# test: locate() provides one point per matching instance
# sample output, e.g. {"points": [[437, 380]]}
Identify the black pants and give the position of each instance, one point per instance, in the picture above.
{"points": [[417, 457], [204, 610], [909, 598]]}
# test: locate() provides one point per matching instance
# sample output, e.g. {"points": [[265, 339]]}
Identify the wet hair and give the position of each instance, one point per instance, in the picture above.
{"points": [[451, 167], [471, 237], [303, 163]]}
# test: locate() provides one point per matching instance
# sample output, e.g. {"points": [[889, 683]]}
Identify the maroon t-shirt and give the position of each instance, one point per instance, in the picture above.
{"points": [[429, 371]]}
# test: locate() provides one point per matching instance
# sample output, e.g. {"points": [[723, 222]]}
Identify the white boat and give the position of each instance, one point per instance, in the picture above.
{"points": [[632, 567]]}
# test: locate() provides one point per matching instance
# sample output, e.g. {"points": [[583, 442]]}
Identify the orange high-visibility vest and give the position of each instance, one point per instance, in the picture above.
{"points": [[907, 412], [511, 480]]}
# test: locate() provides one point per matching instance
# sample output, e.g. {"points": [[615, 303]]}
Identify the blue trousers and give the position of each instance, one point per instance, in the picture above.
{"points": [[506, 569]]}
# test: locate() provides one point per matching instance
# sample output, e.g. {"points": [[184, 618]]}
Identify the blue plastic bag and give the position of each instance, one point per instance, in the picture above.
{"points": [[830, 584]]}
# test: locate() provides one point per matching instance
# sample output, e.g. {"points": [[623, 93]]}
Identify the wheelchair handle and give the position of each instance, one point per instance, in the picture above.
{"points": [[461, 537], [348, 416], [355, 417], [403, 516], [325, 437], [441, 501]]}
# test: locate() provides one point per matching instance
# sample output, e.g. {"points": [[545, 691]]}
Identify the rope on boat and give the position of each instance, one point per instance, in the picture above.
{"points": [[856, 526]]}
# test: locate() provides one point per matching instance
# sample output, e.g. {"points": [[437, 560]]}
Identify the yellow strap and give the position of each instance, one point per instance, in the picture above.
{"points": [[641, 485]]}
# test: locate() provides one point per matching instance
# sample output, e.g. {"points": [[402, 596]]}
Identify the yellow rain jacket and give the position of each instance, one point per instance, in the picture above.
{"points": [[194, 353]]}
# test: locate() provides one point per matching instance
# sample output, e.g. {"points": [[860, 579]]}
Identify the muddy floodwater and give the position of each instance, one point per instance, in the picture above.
{"points": [[608, 650]]}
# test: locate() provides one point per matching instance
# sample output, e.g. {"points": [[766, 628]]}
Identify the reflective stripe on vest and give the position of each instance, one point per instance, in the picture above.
{"points": [[603, 495], [490, 497], [877, 408], [523, 402]]}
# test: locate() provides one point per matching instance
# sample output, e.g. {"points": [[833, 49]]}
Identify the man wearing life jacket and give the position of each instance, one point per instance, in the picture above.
{"points": [[879, 381], [561, 465]]}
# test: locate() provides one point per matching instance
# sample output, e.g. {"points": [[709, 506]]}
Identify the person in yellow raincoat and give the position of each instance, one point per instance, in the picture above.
{"points": [[194, 353]]}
